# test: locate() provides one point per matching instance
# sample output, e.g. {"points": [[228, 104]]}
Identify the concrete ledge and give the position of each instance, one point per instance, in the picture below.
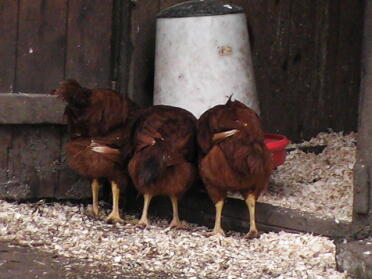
{"points": [[19, 108], [355, 257]]}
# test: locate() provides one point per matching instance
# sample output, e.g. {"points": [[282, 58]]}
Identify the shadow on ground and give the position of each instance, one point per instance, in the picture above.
{"points": [[18, 262]]}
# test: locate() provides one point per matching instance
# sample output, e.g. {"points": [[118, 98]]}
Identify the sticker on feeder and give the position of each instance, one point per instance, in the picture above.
{"points": [[224, 50]]}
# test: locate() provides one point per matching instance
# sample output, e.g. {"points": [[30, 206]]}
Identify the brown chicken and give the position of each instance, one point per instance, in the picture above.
{"points": [[98, 124], [163, 161], [233, 157]]}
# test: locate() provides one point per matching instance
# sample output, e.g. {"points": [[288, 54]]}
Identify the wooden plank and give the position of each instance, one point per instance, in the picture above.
{"points": [[198, 208], [333, 101], [41, 45], [287, 219], [5, 141], [32, 162], [271, 60], [328, 33], [8, 38], [143, 41], [348, 67], [363, 169], [301, 67], [8, 31], [89, 42], [30, 109], [121, 27], [313, 109]]}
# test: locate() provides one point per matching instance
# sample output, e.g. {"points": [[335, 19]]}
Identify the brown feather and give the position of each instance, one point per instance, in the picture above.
{"points": [[163, 162], [233, 154], [98, 121]]}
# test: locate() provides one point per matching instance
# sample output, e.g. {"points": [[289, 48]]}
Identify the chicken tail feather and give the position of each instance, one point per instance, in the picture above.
{"points": [[150, 169]]}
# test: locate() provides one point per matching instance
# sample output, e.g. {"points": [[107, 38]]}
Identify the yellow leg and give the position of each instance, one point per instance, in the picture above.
{"points": [[143, 222], [115, 215], [251, 204], [217, 225], [95, 191], [176, 223]]}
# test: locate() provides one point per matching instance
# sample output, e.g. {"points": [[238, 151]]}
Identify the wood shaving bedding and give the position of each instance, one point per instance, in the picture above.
{"points": [[318, 183], [68, 231]]}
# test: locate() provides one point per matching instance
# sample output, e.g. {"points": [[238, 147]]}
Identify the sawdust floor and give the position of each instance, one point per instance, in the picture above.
{"points": [[317, 177]]}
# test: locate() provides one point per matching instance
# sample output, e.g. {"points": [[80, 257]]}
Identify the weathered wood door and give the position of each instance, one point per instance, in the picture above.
{"points": [[41, 43]]}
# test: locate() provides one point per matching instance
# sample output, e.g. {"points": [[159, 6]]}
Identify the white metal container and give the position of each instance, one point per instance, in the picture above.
{"points": [[203, 56]]}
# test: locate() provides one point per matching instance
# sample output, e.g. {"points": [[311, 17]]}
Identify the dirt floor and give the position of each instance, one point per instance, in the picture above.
{"points": [[22, 262], [25, 262]]}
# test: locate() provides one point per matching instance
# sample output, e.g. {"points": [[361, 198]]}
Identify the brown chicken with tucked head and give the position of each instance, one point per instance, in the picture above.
{"points": [[233, 157], [163, 161], [98, 124]]}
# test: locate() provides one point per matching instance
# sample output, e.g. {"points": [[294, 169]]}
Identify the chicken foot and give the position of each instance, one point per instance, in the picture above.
{"points": [[251, 204], [144, 222], [115, 215]]}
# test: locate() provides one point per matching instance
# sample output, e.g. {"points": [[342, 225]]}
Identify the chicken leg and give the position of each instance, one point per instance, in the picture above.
{"points": [[217, 225], [115, 215], [251, 204], [176, 223], [144, 222], [95, 191]]}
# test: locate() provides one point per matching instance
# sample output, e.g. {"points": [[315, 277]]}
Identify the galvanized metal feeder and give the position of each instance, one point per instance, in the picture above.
{"points": [[203, 56]]}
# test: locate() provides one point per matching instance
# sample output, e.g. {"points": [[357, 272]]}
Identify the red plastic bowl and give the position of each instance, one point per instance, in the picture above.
{"points": [[276, 144]]}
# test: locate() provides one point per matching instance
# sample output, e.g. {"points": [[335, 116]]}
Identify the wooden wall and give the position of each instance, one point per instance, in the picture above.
{"points": [[46, 41], [363, 166], [306, 58], [41, 43]]}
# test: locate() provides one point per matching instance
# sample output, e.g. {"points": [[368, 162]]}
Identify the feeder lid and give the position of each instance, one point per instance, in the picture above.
{"points": [[199, 8]]}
